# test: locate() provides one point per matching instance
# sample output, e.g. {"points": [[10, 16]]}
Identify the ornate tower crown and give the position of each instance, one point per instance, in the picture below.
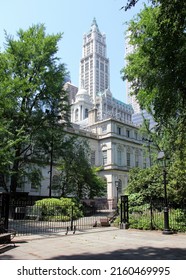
{"points": [[94, 64]]}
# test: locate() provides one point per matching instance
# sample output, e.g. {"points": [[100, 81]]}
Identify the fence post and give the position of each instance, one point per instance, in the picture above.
{"points": [[151, 215], [71, 222], [124, 212], [4, 208]]}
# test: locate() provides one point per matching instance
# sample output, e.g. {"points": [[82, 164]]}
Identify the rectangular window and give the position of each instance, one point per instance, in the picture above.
{"points": [[128, 133], [104, 153], [102, 66], [86, 66], [93, 158], [136, 160], [128, 159], [119, 158], [118, 130], [88, 49]]}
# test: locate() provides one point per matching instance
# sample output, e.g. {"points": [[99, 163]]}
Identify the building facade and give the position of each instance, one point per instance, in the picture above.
{"points": [[116, 146]]}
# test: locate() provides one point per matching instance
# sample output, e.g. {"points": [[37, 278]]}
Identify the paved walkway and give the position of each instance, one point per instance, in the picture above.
{"points": [[99, 243]]}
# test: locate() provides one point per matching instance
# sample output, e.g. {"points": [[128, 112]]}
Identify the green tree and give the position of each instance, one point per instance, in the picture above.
{"points": [[129, 4], [78, 177], [156, 70], [31, 85], [177, 177], [7, 144], [147, 183], [156, 67]]}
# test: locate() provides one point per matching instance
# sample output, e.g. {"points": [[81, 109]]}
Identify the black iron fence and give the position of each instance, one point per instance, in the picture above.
{"points": [[28, 218], [151, 216]]}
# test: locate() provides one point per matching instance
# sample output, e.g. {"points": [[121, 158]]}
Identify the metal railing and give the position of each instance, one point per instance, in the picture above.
{"points": [[151, 216], [28, 219]]}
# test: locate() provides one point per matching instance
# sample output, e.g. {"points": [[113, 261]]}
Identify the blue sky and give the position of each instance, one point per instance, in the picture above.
{"points": [[73, 18]]}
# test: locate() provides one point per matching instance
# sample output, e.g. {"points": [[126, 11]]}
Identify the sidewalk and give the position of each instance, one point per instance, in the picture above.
{"points": [[99, 243]]}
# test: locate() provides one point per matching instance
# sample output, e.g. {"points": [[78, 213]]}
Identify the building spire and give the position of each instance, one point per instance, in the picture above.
{"points": [[94, 25]]}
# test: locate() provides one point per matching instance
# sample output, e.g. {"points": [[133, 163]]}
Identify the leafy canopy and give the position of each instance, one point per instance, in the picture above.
{"points": [[156, 67], [31, 82]]}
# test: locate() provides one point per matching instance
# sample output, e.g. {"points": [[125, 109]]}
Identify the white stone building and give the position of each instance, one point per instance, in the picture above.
{"points": [[115, 142]]}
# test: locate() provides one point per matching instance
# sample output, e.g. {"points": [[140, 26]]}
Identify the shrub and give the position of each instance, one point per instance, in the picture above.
{"points": [[141, 217], [177, 219], [142, 220], [59, 209]]}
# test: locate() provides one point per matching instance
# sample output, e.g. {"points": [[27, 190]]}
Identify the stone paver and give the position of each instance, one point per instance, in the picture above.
{"points": [[101, 243]]}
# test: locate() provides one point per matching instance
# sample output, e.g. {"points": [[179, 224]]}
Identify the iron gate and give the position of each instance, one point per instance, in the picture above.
{"points": [[27, 219]]}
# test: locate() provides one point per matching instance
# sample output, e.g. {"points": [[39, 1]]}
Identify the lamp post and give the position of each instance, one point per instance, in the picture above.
{"points": [[166, 230], [117, 186]]}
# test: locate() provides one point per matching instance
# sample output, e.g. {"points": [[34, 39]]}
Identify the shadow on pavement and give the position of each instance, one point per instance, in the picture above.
{"points": [[5, 248], [141, 253]]}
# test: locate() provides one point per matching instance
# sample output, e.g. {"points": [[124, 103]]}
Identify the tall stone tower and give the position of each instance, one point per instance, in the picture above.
{"points": [[94, 64]]}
